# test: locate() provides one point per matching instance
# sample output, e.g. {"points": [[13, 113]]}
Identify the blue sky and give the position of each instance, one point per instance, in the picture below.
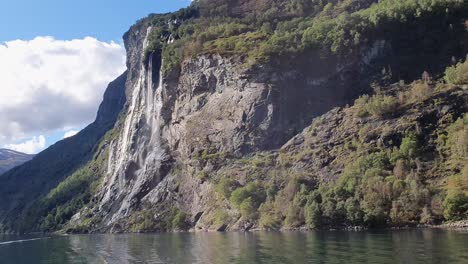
{"points": [[67, 19], [57, 57]]}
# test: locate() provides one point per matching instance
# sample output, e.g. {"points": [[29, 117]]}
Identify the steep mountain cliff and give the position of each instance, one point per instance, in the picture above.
{"points": [[235, 118], [10, 159]]}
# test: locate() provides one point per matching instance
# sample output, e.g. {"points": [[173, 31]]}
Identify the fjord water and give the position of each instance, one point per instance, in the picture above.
{"points": [[405, 246]]}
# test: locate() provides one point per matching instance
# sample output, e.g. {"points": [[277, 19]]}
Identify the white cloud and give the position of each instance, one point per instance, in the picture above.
{"points": [[32, 146], [70, 133], [49, 85]]}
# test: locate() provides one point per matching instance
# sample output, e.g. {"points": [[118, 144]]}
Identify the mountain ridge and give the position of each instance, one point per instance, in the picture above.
{"points": [[11, 158]]}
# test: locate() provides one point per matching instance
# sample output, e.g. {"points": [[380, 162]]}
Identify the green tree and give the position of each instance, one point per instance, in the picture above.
{"points": [[247, 209], [409, 147], [456, 205], [313, 215]]}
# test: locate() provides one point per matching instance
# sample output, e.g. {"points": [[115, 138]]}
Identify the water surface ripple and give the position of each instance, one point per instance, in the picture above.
{"points": [[405, 246]]}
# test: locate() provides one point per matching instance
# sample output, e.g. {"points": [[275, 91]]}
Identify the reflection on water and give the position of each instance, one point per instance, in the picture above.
{"points": [[407, 246]]}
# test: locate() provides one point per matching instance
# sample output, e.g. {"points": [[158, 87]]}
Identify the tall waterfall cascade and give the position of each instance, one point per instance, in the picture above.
{"points": [[137, 155]]}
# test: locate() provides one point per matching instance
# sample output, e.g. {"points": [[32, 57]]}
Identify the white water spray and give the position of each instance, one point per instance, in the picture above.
{"points": [[139, 154]]}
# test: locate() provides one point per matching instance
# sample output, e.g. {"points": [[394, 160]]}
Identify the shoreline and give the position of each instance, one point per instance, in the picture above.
{"points": [[461, 225], [455, 225]]}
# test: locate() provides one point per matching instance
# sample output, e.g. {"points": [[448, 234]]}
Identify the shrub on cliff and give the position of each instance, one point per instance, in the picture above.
{"points": [[226, 186], [179, 220], [382, 105], [409, 147], [454, 144], [248, 198], [457, 74], [456, 206], [377, 105], [420, 91]]}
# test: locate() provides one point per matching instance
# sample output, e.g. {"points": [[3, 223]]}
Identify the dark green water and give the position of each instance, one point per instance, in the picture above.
{"points": [[407, 246]]}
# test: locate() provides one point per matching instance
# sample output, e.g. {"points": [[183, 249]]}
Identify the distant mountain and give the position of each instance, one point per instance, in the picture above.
{"points": [[10, 159]]}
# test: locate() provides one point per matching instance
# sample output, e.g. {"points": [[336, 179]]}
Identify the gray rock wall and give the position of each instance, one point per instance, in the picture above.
{"points": [[213, 106]]}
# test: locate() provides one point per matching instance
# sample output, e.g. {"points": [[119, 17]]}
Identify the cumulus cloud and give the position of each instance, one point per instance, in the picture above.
{"points": [[70, 133], [48, 85], [31, 146]]}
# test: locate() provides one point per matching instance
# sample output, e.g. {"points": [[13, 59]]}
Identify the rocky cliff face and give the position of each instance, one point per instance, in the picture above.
{"points": [[220, 144], [214, 105]]}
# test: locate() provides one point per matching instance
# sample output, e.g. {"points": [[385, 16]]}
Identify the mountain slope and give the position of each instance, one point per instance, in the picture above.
{"points": [[25, 184], [216, 106], [10, 159], [235, 118]]}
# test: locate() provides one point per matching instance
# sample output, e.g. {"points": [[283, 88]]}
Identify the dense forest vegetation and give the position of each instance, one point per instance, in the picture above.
{"points": [[260, 30]]}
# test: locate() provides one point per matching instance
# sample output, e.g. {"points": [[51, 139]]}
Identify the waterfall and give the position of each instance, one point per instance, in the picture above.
{"points": [[111, 155], [131, 111], [119, 154], [152, 143], [149, 90], [155, 117], [138, 155], [149, 153], [154, 105]]}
